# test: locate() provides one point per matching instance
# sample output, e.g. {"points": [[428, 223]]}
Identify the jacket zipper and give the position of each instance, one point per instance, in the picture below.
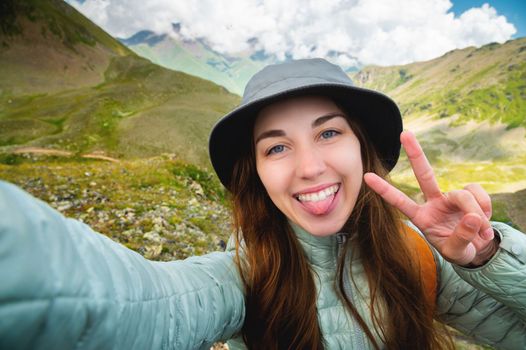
{"points": [[357, 333]]}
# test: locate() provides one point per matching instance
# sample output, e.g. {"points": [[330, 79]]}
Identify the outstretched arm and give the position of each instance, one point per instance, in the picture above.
{"points": [[63, 286]]}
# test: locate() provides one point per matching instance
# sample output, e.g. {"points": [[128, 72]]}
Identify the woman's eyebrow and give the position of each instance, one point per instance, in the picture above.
{"points": [[325, 118], [317, 122], [270, 133]]}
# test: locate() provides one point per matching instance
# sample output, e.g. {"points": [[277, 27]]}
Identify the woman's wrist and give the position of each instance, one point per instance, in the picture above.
{"points": [[486, 254]]}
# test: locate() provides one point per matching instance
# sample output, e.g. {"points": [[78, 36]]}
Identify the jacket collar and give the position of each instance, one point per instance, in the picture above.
{"points": [[321, 252]]}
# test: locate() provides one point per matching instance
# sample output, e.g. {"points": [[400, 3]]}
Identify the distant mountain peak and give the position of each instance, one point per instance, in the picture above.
{"points": [[145, 36], [176, 27], [197, 57]]}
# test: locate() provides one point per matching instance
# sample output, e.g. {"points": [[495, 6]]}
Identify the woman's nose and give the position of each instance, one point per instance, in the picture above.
{"points": [[310, 163]]}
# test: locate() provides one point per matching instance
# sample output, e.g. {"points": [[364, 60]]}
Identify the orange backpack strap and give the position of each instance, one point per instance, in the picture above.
{"points": [[426, 260]]}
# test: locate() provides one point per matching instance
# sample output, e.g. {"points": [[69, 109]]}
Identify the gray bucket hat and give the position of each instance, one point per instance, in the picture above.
{"points": [[378, 114]]}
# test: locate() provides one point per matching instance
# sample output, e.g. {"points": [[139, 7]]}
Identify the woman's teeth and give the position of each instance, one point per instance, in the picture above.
{"points": [[318, 196]]}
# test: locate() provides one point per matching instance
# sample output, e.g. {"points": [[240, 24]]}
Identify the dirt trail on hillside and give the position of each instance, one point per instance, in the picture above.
{"points": [[42, 151], [62, 153]]}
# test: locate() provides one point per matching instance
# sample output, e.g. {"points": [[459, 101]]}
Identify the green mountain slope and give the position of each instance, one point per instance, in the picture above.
{"points": [[66, 84], [468, 109], [486, 83], [48, 46]]}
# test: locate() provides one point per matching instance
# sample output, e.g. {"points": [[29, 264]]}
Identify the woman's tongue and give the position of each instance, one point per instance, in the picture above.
{"points": [[318, 207]]}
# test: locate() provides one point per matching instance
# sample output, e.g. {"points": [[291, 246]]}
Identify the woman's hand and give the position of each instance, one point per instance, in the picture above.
{"points": [[455, 223]]}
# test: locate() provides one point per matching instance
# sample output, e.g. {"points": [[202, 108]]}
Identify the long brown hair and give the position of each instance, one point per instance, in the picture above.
{"points": [[280, 291]]}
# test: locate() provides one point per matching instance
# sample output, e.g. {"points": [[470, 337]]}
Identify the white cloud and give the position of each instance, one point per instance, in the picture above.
{"points": [[372, 31]]}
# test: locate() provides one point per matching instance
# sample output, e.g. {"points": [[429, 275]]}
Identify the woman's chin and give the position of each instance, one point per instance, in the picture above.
{"points": [[321, 229]]}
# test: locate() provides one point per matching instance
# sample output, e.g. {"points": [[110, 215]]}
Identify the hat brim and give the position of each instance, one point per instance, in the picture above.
{"points": [[378, 114]]}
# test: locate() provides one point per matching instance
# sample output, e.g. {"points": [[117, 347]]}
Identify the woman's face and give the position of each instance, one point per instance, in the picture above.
{"points": [[309, 161]]}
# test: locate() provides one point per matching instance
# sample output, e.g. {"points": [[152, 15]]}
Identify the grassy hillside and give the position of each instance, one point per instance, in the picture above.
{"points": [[90, 93], [481, 84], [139, 110], [468, 109], [47, 46]]}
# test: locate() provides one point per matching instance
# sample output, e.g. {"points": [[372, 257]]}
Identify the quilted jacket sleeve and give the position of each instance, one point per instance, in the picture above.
{"points": [[488, 302], [63, 286]]}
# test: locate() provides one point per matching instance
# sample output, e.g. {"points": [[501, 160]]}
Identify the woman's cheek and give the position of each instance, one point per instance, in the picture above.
{"points": [[275, 175]]}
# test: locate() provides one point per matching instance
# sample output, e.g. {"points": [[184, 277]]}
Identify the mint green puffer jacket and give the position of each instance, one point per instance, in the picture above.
{"points": [[63, 286]]}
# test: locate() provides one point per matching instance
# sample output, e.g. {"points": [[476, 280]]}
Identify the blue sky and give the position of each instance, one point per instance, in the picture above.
{"points": [[513, 10]]}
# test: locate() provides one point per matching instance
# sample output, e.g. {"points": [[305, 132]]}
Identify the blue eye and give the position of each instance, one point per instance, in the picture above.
{"points": [[327, 134], [276, 149]]}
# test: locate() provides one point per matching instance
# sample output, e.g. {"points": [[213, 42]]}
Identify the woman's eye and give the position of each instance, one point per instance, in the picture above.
{"points": [[276, 149], [327, 134]]}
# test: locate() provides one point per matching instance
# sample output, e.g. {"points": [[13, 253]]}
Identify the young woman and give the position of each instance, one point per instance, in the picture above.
{"points": [[321, 259]]}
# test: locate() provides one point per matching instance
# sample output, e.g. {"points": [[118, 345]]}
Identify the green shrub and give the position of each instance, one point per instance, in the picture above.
{"points": [[11, 159], [212, 188]]}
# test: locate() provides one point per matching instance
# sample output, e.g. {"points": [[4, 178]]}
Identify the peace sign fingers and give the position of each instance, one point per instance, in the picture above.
{"points": [[456, 223], [421, 168]]}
